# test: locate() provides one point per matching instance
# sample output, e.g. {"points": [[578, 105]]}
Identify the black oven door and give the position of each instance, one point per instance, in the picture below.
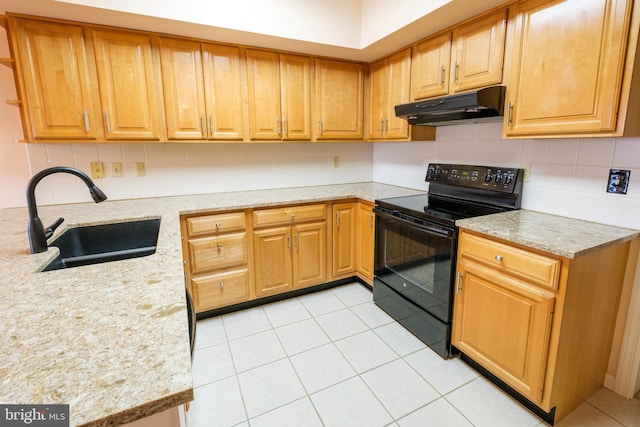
{"points": [[416, 259]]}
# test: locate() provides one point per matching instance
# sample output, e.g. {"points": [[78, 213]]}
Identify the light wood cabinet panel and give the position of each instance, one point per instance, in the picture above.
{"points": [[295, 87], [272, 260], [309, 255], [390, 82], [430, 67], [505, 325], [279, 95], [217, 252], [344, 238], [219, 290], [183, 83], [365, 240], [224, 91], [203, 89], [478, 52], [339, 99], [215, 223], [565, 78], [129, 87], [288, 215], [58, 81]]}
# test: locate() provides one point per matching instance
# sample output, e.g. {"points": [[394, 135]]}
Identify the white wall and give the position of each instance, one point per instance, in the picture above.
{"points": [[568, 176]]}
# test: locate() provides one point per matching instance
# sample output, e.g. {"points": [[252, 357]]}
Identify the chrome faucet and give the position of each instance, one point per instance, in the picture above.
{"points": [[37, 234]]}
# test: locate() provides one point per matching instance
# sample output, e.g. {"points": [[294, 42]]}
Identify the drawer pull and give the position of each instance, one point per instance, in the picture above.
{"points": [[219, 245], [499, 258], [222, 284], [218, 225], [293, 217]]}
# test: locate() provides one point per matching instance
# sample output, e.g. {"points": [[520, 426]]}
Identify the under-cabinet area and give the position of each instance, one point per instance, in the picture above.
{"points": [[243, 255]]}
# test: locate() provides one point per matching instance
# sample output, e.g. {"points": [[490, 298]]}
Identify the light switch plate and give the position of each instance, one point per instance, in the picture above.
{"points": [[618, 181], [97, 170]]}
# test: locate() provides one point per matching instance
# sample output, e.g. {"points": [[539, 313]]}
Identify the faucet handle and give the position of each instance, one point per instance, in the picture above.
{"points": [[49, 231]]}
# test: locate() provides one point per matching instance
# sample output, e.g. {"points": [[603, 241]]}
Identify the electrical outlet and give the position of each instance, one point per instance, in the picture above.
{"points": [[527, 172], [335, 162], [97, 170], [140, 169], [116, 169], [618, 181]]}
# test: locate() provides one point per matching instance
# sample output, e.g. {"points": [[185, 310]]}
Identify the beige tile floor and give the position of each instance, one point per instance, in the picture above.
{"points": [[333, 358]]}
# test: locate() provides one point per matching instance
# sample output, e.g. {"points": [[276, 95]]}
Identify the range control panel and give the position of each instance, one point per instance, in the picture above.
{"points": [[496, 178]]}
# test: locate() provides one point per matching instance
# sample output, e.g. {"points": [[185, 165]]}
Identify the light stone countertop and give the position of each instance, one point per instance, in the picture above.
{"points": [[562, 236], [111, 339]]}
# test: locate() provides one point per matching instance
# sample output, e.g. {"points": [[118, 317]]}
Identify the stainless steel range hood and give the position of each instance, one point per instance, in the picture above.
{"points": [[484, 105]]}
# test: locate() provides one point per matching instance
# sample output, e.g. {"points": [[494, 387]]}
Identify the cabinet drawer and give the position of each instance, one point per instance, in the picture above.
{"points": [[539, 269], [219, 290], [288, 215], [217, 252], [218, 223]]}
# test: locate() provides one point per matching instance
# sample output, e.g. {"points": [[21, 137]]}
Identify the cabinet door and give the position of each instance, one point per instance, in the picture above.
{"points": [[263, 74], [272, 255], [61, 87], [128, 85], [339, 99], [478, 52], [430, 67], [309, 254], [225, 92], [295, 86], [399, 76], [379, 88], [344, 238], [565, 78], [365, 240], [182, 80], [504, 324]]}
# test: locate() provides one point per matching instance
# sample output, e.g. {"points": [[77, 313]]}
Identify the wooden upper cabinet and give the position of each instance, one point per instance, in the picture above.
{"points": [[339, 99], [57, 81], [430, 67], [225, 91], [129, 85], [469, 57], [389, 85], [279, 95], [203, 90], [478, 52], [565, 78]]}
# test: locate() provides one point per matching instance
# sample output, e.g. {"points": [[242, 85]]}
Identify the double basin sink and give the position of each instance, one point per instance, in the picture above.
{"points": [[94, 244]]}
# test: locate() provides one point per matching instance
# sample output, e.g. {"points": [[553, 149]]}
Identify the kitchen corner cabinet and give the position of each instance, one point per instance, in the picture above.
{"points": [[279, 88], [541, 323], [365, 240], [129, 82], [289, 248], [204, 90], [339, 100], [56, 81], [216, 257], [469, 57], [578, 67], [344, 238]]}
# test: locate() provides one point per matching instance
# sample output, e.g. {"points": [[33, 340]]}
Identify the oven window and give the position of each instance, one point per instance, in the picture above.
{"points": [[415, 262]]}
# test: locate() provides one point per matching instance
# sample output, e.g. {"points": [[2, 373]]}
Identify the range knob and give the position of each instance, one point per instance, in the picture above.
{"points": [[509, 179], [488, 177], [498, 178], [433, 172]]}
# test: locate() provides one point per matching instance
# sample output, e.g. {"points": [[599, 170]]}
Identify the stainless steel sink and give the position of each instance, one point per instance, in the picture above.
{"points": [[96, 244]]}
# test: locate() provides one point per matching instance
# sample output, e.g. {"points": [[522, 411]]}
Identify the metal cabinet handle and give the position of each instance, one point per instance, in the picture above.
{"points": [[87, 125], [219, 245], [279, 127], [293, 217], [338, 219], [320, 126], [455, 72], [218, 225], [499, 258], [509, 112], [222, 284], [459, 282], [204, 130], [289, 242], [381, 126], [371, 216], [386, 126], [106, 119], [442, 75], [286, 126], [297, 241], [210, 124]]}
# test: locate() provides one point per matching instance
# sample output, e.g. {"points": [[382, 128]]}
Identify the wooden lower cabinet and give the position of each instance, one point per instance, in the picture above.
{"points": [[344, 239], [541, 323], [290, 256], [365, 241], [216, 254]]}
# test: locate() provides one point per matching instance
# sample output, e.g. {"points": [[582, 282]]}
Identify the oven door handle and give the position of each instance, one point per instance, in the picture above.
{"points": [[431, 228]]}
